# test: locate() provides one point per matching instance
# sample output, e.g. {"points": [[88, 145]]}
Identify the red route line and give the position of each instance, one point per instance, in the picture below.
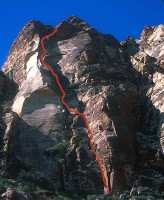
{"points": [[72, 110]]}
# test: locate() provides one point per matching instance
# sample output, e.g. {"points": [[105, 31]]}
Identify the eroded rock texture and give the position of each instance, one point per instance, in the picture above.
{"points": [[119, 87], [147, 58]]}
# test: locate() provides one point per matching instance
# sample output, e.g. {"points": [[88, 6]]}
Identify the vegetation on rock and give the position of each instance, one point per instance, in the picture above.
{"points": [[59, 148]]}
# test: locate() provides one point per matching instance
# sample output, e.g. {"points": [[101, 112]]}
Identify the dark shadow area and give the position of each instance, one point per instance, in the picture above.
{"points": [[8, 91], [149, 158], [10, 87], [27, 163]]}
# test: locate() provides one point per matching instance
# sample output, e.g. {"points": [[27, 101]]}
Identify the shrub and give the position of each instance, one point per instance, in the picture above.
{"points": [[91, 197], [98, 89], [7, 104], [61, 161], [59, 148], [16, 186], [5, 183], [60, 197]]}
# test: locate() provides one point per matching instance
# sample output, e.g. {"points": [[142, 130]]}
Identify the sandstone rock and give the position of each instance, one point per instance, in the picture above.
{"points": [[152, 39], [118, 87], [147, 32], [150, 136], [13, 195]]}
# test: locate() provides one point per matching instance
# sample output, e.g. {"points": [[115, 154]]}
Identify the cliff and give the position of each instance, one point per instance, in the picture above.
{"points": [[118, 86]]}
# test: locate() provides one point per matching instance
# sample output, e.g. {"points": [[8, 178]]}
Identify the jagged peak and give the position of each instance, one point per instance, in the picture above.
{"points": [[33, 21], [74, 19], [29, 30], [32, 25], [79, 23], [149, 30]]}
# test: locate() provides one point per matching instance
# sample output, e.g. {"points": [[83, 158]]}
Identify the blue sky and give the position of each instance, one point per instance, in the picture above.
{"points": [[118, 17]]}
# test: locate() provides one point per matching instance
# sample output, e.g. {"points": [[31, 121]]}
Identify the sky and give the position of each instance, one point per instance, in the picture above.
{"points": [[121, 18]]}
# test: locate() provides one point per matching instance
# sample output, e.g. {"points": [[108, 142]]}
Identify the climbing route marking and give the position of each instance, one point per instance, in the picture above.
{"points": [[72, 110]]}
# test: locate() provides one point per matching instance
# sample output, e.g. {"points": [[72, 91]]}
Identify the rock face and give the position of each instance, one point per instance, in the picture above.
{"points": [[147, 58], [119, 87], [12, 195]]}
